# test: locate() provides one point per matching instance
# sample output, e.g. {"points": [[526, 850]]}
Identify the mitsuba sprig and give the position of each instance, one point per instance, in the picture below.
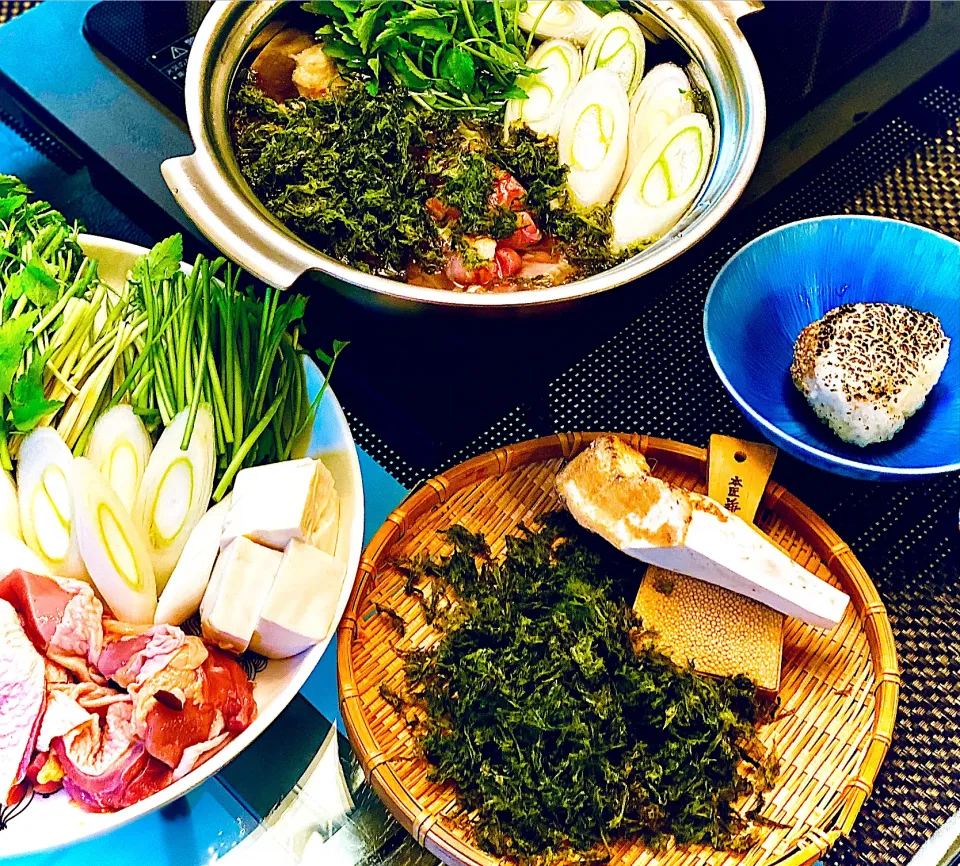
{"points": [[166, 342], [51, 349], [209, 342]]}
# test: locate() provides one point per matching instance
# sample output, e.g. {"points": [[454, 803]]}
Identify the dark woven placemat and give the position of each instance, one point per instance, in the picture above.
{"points": [[654, 376]]}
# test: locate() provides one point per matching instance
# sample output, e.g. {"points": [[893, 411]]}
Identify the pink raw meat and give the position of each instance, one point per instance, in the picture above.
{"points": [[40, 601], [90, 696], [22, 694], [129, 660], [105, 766], [183, 702], [62, 617], [61, 716], [117, 653]]}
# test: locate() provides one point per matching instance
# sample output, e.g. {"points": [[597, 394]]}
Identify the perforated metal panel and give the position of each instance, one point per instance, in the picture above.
{"points": [[9, 8]]}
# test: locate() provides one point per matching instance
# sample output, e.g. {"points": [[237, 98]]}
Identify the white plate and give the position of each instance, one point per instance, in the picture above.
{"points": [[56, 821]]}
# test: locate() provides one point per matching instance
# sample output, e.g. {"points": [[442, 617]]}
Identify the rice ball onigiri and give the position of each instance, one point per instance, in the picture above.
{"points": [[866, 368]]}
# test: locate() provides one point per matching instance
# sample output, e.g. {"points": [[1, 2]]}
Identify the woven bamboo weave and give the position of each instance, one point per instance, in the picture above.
{"points": [[839, 688]]}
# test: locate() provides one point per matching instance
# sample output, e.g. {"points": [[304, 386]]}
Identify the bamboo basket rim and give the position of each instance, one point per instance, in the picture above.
{"points": [[426, 827]]}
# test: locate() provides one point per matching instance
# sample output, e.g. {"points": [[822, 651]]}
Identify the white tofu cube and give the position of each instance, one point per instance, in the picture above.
{"points": [[328, 526], [278, 502], [238, 590], [302, 602]]}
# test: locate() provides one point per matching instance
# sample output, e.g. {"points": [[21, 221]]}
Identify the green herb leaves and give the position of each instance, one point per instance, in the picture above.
{"points": [[29, 406], [41, 269], [11, 203], [13, 196], [559, 733], [352, 174], [467, 181], [462, 55], [208, 342], [162, 262], [458, 67], [70, 346], [21, 384], [15, 336], [583, 232], [34, 282]]}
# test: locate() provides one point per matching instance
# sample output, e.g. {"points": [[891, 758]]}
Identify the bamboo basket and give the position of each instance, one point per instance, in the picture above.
{"points": [[839, 689]]}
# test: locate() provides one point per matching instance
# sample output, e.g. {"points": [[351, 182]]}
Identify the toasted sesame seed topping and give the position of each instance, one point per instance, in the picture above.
{"points": [[880, 349]]}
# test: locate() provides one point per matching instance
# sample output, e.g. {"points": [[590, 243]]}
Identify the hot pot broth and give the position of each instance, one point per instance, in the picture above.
{"points": [[478, 147]]}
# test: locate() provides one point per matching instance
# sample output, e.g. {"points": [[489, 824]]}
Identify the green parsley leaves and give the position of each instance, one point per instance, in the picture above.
{"points": [[452, 55], [346, 173], [41, 265]]}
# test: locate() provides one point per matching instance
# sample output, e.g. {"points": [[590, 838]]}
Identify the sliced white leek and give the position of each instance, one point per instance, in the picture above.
{"points": [[119, 449], [618, 45], [175, 490], [663, 96], [548, 90], [664, 183], [112, 545], [184, 591], [9, 507], [559, 19], [593, 137], [46, 506], [15, 554]]}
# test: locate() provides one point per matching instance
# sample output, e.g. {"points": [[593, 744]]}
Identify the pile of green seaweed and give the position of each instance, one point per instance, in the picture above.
{"points": [[561, 731], [352, 174]]}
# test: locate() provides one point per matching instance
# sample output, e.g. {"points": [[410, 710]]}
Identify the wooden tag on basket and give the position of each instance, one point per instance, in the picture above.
{"points": [[719, 631], [738, 472]]}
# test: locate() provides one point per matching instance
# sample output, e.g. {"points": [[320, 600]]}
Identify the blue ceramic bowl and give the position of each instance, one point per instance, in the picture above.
{"points": [[789, 277]]}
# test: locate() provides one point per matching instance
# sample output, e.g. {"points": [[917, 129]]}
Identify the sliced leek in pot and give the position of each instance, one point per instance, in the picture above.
{"points": [[559, 19], [548, 90], [46, 505], [176, 490], [593, 137], [112, 546], [664, 182], [618, 45], [119, 449], [664, 95]]}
